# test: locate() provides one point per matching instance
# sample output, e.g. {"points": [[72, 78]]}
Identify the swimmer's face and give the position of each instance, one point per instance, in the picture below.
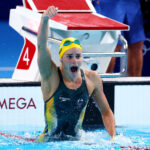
{"points": [[72, 60]]}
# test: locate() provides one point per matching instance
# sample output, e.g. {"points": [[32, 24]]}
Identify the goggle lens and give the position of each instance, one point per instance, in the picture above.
{"points": [[70, 42]]}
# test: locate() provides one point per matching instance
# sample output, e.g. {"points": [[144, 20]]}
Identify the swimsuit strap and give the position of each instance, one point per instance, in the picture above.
{"points": [[82, 74]]}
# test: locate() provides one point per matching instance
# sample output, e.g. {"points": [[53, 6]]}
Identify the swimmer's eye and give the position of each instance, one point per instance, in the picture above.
{"points": [[70, 56], [78, 56]]}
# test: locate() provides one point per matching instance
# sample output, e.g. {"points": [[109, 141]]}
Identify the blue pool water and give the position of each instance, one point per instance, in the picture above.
{"points": [[127, 138]]}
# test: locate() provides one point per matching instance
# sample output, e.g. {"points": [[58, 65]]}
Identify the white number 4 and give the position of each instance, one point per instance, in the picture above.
{"points": [[26, 56]]}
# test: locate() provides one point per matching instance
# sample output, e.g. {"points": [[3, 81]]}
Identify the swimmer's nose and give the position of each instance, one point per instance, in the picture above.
{"points": [[74, 60]]}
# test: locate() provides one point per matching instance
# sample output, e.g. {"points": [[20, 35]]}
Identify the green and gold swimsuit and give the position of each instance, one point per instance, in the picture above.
{"points": [[64, 111]]}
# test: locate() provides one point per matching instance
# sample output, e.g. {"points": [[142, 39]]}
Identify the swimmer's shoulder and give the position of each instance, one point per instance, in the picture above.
{"points": [[92, 76]]}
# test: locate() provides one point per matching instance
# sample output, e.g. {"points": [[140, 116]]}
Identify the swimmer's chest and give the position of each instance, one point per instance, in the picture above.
{"points": [[70, 101]]}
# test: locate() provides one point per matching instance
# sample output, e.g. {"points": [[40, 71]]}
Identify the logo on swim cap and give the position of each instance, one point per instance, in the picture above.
{"points": [[67, 44]]}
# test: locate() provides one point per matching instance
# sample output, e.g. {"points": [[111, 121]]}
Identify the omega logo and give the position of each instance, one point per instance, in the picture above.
{"points": [[17, 103]]}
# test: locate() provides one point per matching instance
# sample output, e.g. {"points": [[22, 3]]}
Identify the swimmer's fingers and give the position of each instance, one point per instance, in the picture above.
{"points": [[50, 12], [113, 139]]}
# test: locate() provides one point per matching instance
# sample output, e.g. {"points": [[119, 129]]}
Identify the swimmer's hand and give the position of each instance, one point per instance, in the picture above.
{"points": [[113, 139], [121, 140], [50, 12]]}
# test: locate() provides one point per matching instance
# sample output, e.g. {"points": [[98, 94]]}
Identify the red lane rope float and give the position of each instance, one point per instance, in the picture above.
{"points": [[17, 137]]}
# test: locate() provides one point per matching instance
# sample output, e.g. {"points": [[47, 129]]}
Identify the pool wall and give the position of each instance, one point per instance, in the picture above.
{"points": [[129, 98]]}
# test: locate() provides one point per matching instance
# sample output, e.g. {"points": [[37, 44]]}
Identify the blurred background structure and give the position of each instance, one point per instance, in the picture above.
{"points": [[11, 42]]}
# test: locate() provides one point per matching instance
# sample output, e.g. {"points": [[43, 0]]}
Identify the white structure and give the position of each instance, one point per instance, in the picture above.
{"points": [[97, 33]]}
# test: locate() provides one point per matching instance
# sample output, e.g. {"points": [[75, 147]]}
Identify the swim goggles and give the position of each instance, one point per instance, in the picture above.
{"points": [[67, 44]]}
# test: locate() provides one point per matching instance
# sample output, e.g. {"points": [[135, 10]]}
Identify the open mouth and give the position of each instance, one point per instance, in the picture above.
{"points": [[74, 69]]}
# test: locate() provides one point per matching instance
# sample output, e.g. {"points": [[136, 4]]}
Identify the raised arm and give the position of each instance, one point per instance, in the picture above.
{"points": [[107, 115], [45, 63]]}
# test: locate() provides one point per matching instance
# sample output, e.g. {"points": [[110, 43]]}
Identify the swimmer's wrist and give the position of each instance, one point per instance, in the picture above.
{"points": [[45, 18]]}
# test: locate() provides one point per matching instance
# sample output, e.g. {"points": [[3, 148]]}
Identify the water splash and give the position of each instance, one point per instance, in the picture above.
{"points": [[97, 140]]}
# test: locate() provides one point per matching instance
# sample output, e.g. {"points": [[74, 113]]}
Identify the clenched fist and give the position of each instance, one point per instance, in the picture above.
{"points": [[50, 12]]}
